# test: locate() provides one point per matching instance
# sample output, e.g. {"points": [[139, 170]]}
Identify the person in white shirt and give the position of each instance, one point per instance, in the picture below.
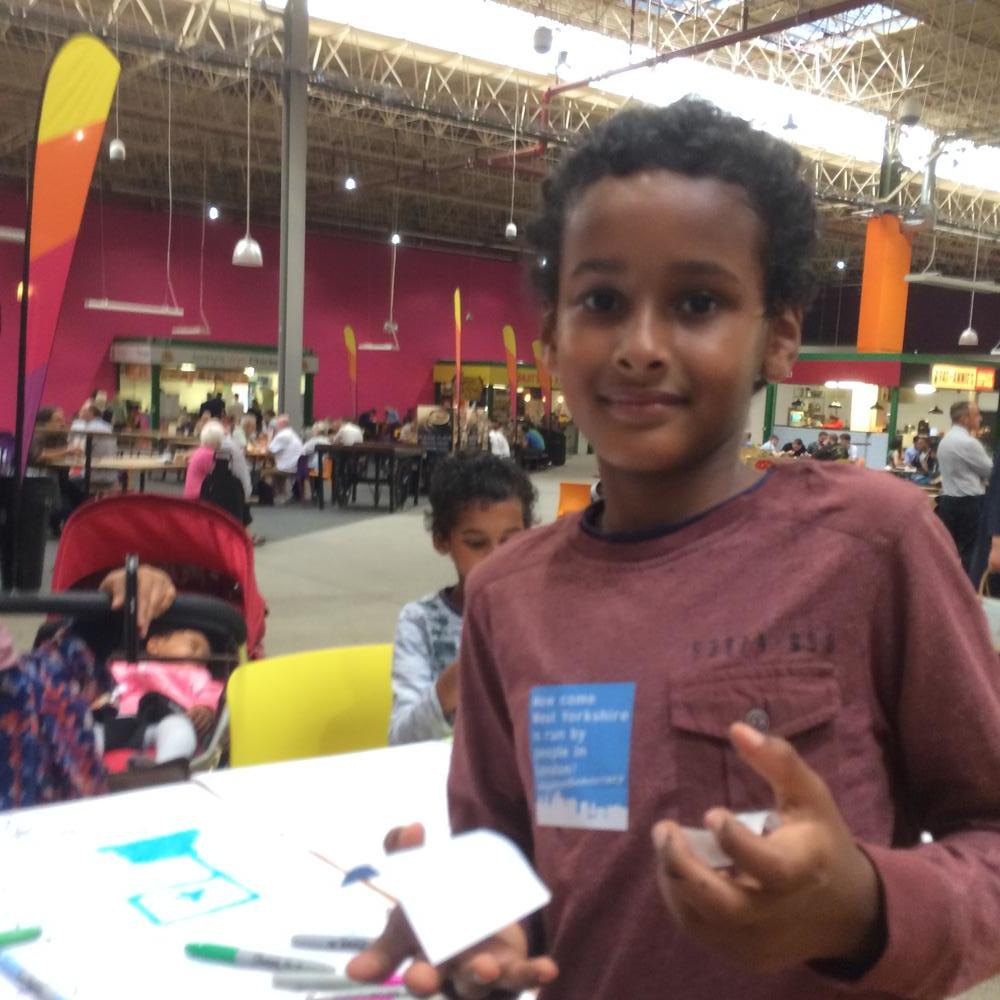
{"points": [[348, 434], [964, 467], [104, 444], [771, 444], [499, 445], [320, 435], [851, 450], [285, 446]]}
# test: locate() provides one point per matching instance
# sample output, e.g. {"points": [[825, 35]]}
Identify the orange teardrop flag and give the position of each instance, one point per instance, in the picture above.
{"points": [[510, 347], [544, 376], [75, 103], [351, 343]]}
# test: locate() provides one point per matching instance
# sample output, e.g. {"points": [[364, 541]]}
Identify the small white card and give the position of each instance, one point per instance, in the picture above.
{"points": [[704, 844], [457, 892]]}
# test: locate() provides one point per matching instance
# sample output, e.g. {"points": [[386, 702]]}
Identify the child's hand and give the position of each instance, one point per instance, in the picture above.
{"points": [[500, 963], [156, 594], [804, 892], [203, 720], [447, 689]]}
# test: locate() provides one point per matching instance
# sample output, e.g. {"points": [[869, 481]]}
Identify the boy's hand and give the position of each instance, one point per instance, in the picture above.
{"points": [[446, 687], [156, 594], [804, 892], [500, 963], [994, 560]]}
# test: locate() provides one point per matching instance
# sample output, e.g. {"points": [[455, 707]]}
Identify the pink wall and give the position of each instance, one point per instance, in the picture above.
{"points": [[346, 282]]}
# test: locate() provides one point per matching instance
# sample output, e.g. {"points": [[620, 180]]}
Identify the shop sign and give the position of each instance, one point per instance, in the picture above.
{"points": [[965, 377], [227, 359]]}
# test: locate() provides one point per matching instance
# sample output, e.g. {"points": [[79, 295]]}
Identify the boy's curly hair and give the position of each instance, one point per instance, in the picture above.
{"points": [[475, 477], [697, 139]]}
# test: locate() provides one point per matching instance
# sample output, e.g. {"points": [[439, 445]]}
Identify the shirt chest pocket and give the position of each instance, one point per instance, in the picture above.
{"points": [[799, 703]]}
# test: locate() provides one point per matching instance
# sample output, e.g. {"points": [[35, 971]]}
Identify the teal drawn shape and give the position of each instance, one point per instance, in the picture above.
{"points": [[188, 900]]}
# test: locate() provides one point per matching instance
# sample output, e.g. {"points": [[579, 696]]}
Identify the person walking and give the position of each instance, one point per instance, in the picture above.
{"points": [[964, 467]]}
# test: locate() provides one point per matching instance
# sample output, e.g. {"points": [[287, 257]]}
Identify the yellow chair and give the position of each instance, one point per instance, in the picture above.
{"points": [[310, 704], [573, 497]]}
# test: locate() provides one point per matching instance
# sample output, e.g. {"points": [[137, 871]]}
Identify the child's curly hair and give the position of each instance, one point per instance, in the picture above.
{"points": [[475, 477], [694, 138]]}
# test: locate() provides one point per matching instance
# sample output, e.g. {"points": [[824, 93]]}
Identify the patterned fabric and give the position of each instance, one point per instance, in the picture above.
{"points": [[47, 747], [427, 639]]}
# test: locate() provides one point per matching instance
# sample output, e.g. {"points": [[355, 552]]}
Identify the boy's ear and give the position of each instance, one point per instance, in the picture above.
{"points": [[784, 337]]}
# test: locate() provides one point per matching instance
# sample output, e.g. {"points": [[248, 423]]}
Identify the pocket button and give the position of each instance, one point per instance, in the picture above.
{"points": [[759, 719]]}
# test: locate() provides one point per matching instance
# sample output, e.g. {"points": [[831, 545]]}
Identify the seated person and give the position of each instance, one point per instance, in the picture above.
{"points": [[103, 444], [916, 455], [499, 445], [850, 450], [346, 433], [533, 439], [202, 459], [285, 449], [821, 441], [478, 502], [897, 458], [320, 435], [48, 748], [771, 444]]}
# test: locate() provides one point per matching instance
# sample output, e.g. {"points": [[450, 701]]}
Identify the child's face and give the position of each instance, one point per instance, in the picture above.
{"points": [[481, 528], [659, 331], [185, 643]]}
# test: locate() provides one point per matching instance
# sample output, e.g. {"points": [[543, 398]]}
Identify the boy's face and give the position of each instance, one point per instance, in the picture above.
{"points": [[185, 643], [659, 331], [481, 528]]}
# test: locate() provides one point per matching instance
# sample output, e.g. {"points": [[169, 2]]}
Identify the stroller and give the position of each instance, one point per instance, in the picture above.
{"points": [[209, 557]]}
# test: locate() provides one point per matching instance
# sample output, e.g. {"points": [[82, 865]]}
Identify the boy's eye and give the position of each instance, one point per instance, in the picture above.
{"points": [[698, 305], [601, 300]]}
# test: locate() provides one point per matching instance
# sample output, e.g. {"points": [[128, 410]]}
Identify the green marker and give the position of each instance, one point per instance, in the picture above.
{"points": [[253, 959], [22, 935]]}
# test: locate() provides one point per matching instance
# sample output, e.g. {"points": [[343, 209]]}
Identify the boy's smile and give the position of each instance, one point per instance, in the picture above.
{"points": [[660, 332]]}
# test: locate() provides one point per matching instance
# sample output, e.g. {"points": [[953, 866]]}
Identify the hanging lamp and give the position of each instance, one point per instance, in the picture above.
{"points": [[116, 148], [511, 230], [969, 337], [247, 252]]}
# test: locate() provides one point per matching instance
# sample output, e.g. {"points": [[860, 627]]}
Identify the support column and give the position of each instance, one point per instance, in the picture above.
{"points": [[293, 211], [890, 427], [769, 403]]}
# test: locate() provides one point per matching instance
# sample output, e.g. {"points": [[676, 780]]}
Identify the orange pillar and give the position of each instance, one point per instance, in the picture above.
{"points": [[883, 290]]}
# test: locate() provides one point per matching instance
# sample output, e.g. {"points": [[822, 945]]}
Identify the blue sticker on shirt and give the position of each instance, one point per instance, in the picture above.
{"points": [[580, 740]]}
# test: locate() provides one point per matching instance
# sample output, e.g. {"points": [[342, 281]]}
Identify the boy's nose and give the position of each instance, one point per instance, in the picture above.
{"points": [[644, 342]]}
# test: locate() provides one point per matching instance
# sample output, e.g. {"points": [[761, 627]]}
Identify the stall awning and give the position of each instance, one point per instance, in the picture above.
{"points": [[219, 356]]}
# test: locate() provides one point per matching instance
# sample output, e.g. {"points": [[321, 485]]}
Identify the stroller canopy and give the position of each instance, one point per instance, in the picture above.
{"points": [[204, 549]]}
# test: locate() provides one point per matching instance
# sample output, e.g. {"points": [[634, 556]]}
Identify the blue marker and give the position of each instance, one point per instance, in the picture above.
{"points": [[359, 874], [24, 980]]}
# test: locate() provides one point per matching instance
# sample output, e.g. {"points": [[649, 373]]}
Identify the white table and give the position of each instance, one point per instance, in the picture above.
{"points": [[227, 858]]}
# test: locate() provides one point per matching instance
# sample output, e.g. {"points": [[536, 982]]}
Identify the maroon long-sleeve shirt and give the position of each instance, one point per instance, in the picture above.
{"points": [[600, 676]]}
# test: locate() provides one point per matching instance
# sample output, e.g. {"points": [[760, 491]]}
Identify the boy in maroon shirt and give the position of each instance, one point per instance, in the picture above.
{"points": [[709, 640]]}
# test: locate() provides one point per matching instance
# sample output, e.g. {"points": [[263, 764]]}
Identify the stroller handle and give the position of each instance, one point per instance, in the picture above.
{"points": [[209, 614]]}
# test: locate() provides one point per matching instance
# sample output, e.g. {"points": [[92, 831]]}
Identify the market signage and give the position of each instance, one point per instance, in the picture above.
{"points": [[232, 358], [965, 377]]}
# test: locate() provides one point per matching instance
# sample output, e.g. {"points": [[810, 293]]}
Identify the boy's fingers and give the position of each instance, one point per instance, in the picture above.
{"points": [[402, 838], [688, 883], [384, 955], [793, 782], [773, 862], [485, 973]]}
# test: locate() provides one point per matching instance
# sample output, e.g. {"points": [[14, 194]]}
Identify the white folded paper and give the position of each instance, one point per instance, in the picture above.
{"points": [[458, 892], [704, 844]]}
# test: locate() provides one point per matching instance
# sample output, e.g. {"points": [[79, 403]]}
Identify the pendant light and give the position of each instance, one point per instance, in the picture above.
{"points": [[511, 231], [247, 252], [116, 148], [969, 337]]}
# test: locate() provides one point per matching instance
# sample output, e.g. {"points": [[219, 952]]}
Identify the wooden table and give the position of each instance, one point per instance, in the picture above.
{"points": [[397, 466], [133, 441], [130, 465]]}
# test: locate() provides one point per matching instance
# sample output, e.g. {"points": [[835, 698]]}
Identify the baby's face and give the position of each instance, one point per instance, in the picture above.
{"points": [[185, 643]]}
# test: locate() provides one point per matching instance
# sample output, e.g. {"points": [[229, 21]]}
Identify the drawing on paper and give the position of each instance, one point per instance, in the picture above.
{"points": [[178, 883]]}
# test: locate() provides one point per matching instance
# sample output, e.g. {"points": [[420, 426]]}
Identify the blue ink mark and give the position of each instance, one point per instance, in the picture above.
{"points": [[142, 852], [359, 874], [193, 896]]}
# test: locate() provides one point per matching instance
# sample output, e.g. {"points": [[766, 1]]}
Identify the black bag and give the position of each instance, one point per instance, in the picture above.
{"points": [[223, 489]]}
